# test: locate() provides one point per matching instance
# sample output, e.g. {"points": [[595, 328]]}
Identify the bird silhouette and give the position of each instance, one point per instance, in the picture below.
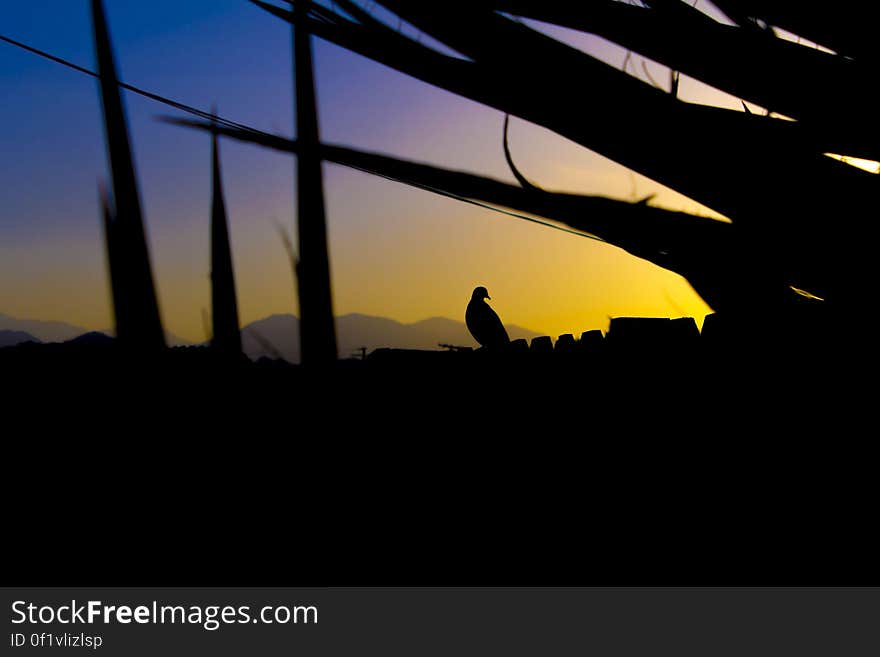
{"points": [[483, 322]]}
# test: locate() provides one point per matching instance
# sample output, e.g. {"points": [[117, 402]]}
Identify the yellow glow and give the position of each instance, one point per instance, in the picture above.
{"points": [[395, 252], [804, 293], [794, 38], [870, 166]]}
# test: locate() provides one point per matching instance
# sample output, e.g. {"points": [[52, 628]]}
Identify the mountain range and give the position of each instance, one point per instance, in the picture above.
{"points": [[277, 336], [43, 331], [9, 338], [50, 331]]}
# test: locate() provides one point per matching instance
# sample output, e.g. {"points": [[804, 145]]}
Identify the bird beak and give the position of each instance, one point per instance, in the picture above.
{"points": [[488, 297]]}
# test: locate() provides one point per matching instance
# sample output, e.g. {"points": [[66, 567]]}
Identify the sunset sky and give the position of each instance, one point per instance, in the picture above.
{"points": [[395, 251]]}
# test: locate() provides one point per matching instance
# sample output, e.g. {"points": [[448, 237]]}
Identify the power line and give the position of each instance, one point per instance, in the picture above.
{"points": [[241, 126], [141, 92], [49, 56], [479, 204]]}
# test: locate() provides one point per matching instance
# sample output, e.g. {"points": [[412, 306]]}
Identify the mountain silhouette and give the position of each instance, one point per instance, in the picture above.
{"points": [[92, 338], [44, 331], [170, 339], [11, 338], [51, 331], [278, 335]]}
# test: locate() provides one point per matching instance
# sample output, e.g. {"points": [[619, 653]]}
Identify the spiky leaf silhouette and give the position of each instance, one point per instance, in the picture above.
{"points": [[750, 168], [224, 302], [317, 324], [702, 250], [138, 325]]}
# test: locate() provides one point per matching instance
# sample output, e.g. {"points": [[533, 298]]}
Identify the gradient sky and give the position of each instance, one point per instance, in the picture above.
{"points": [[395, 251]]}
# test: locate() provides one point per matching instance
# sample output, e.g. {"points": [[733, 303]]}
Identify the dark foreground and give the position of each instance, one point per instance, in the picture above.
{"points": [[689, 462]]}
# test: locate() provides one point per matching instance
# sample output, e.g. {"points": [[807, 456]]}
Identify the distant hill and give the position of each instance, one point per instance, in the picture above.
{"points": [[12, 338], [48, 331], [92, 338], [45, 331], [170, 339], [278, 335]]}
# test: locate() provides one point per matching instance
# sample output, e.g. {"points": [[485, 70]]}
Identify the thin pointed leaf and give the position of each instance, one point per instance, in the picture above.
{"points": [[114, 266], [317, 322], [224, 303], [138, 323], [704, 251]]}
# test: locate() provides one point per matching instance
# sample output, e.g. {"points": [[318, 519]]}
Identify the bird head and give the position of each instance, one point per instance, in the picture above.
{"points": [[480, 293]]}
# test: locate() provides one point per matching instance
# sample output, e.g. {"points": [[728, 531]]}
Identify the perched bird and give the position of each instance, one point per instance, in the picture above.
{"points": [[483, 323]]}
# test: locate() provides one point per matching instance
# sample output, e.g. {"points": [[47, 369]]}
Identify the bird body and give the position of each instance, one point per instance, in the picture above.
{"points": [[483, 322]]}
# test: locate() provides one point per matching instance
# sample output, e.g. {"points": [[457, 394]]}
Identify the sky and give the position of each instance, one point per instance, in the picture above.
{"points": [[395, 251]]}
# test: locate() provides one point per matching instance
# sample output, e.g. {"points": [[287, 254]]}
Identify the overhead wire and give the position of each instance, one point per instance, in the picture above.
{"points": [[183, 107]]}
